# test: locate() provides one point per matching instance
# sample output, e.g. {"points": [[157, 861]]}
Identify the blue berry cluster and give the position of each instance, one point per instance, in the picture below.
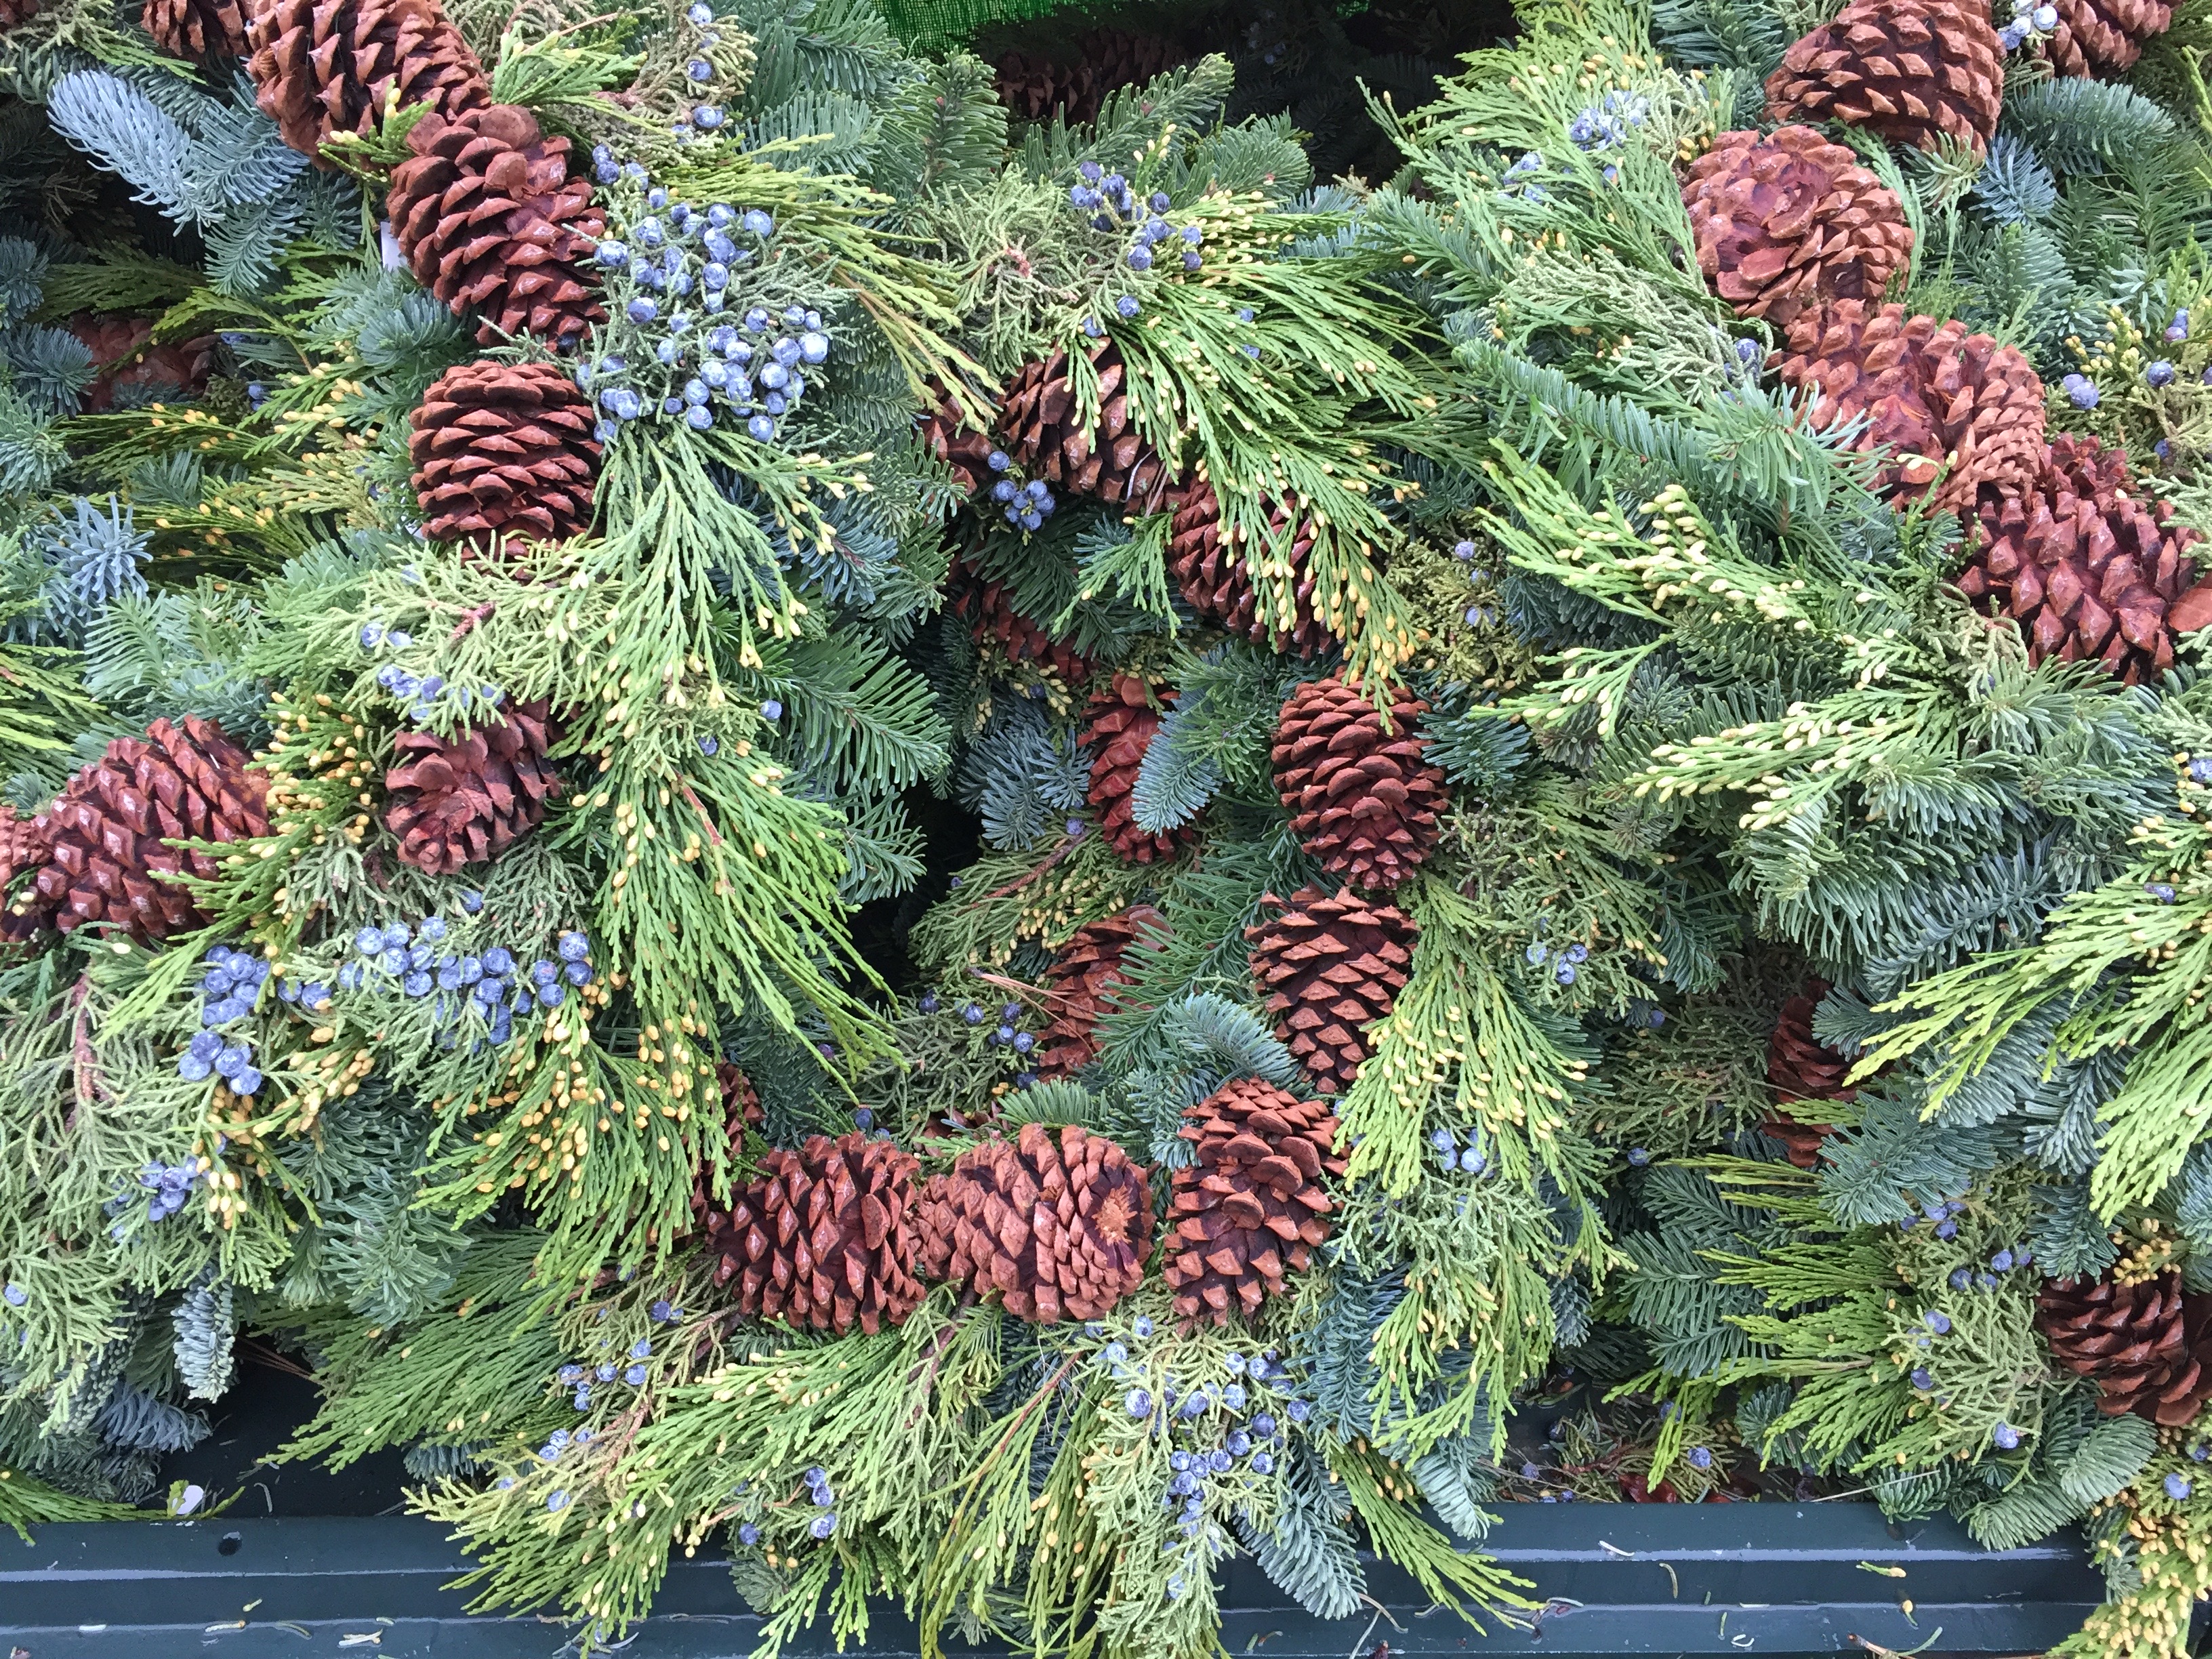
{"points": [[413, 960], [1985, 1279], [1522, 176], [702, 120], [559, 1441], [2030, 20], [1027, 505], [227, 989], [1944, 1213], [1477, 616], [1606, 123], [1565, 961], [1006, 1033], [1241, 1419], [229, 985], [1452, 1156], [1113, 206], [171, 1188], [421, 693], [582, 1376], [2081, 390], [671, 258]]}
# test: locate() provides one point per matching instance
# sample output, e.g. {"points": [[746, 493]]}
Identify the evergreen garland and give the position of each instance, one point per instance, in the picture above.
{"points": [[550, 876]]}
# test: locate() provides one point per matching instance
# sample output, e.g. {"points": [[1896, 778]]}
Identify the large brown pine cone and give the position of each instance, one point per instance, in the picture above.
{"points": [[196, 29], [1363, 800], [1089, 966], [2104, 37], [1025, 639], [104, 833], [2145, 1345], [2090, 570], [24, 849], [1215, 583], [124, 350], [1056, 1225], [324, 67], [1788, 220], [13, 12], [504, 450], [1109, 461], [461, 802], [1934, 394], [1912, 70], [1118, 727], [946, 434], [1033, 86], [488, 216], [1246, 1215], [825, 1240], [1330, 966]]}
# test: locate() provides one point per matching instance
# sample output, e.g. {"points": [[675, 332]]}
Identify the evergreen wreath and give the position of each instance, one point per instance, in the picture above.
{"points": [[921, 819]]}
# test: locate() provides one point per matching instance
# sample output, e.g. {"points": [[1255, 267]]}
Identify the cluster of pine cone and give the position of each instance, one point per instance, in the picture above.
{"points": [[1791, 227], [1350, 765], [1052, 1224]]}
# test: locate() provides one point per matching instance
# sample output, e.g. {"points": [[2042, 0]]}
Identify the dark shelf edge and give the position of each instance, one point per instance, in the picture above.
{"points": [[1657, 1578]]}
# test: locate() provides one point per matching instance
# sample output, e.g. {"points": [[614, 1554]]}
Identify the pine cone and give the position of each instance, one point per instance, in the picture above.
{"points": [[741, 1110], [13, 12], [1025, 641], [2145, 1345], [1789, 220], [1088, 966], [1056, 1226], [1801, 1142], [324, 67], [104, 833], [1109, 460], [1912, 70], [1216, 584], [459, 802], [1798, 1064], [2104, 36], [196, 29], [741, 1102], [825, 1239], [1329, 967], [1033, 86], [2090, 571], [504, 450], [1243, 1217], [24, 849], [1364, 801], [488, 216], [123, 348], [946, 434], [1118, 727], [1935, 391]]}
